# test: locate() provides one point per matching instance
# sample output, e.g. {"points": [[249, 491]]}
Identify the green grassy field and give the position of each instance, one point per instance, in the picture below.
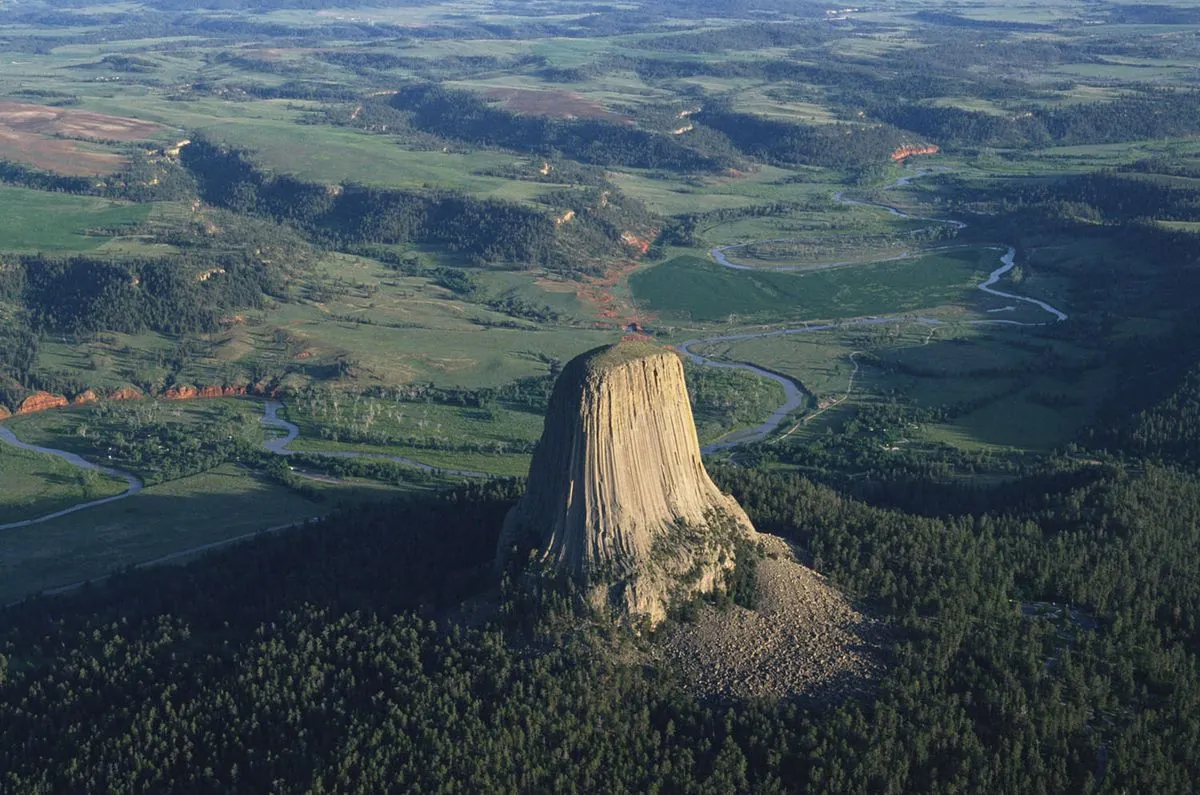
{"points": [[35, 485], [89, 430], [394, 329], [995, 385], [220, 504], [500, 436], [33, 220], [700, 290]]}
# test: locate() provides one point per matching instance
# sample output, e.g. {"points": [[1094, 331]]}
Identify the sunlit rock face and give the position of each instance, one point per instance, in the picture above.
{"points": [[618, 500]]}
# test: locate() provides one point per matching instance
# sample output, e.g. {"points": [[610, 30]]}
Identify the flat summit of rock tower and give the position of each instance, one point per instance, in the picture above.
{"points": [[618, 499]]}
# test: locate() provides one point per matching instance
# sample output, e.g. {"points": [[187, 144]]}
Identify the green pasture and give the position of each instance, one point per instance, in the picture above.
{"points": [[88, 430], [323, 153], [1003, 388], [499, 464], [820, 361], [35, 484], [389, 329], [701, 290], [34, 220], [334, 422], [220, 504], [764, 184], [853, 234]]}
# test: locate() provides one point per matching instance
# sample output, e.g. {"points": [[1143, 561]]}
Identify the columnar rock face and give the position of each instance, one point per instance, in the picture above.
{"points": [[618, 499]]}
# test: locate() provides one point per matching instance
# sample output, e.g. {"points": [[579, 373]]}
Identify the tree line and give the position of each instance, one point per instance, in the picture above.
{"points": [[482, 230], [464, 116]]}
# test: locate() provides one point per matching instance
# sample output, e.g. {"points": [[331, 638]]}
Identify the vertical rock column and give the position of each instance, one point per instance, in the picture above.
{"points": [[618, 499]]}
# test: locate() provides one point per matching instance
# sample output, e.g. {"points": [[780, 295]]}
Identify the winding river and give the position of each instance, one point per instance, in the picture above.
{"points": [[277, 445], [794, 396], [133, 483]]}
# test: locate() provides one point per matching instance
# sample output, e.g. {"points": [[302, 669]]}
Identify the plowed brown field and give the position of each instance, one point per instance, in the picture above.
{"points": [[561, 104], [38, 135]]}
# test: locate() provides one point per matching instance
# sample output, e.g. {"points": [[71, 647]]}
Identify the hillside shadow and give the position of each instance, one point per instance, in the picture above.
{"points": [[413, 552]]}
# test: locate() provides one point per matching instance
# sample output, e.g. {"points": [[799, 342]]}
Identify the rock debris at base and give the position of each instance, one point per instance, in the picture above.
{"points": [[804, 638]]}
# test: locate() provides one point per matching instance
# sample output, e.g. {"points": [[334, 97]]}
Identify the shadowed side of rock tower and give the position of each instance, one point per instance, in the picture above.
{"points": [[618, 499]]}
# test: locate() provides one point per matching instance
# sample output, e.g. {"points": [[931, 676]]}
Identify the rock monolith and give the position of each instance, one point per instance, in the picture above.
{"points": [[618, 500]]}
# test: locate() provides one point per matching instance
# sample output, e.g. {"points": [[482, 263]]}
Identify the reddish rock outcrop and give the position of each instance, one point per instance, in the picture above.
{"points": [[86, 396], [233, 391], [181, 392], [640, 243], [904, 152], [41, 401], [126, 393], [4, 412]]}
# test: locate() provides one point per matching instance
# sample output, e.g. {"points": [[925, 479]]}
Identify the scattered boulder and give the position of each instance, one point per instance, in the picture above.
{"points": [[804, 637]]}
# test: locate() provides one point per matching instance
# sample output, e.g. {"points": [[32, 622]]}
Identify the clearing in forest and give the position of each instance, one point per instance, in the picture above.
{"points": [[561, 104]]}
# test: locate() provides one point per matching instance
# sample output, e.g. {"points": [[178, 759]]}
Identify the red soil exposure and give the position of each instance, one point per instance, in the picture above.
{"points": [[126, 393], [909, 151], [41, 401], [640, 243], [189, 392], [38, 135], [86, 396], [4, 413], [597, 291], [182, 392], [560, 104]]}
